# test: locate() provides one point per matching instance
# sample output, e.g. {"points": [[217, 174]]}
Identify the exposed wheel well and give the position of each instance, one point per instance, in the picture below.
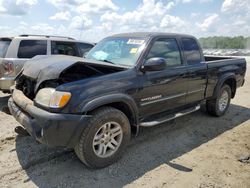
{"points": [[125, 109], [232, 83]]}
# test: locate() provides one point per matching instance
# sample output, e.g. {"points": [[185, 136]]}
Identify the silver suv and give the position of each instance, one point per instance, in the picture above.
{"points": [[15, 51]]}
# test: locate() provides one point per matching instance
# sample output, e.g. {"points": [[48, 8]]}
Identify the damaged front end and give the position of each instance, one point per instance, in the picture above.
{"points": [[37, 98], [53, 71]]}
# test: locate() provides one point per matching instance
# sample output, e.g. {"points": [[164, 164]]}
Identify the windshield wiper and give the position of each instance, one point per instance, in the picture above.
{"points": [[107, 61]]}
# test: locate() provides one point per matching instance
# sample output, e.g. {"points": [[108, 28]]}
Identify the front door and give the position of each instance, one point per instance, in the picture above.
{"points": [[164, 90]]}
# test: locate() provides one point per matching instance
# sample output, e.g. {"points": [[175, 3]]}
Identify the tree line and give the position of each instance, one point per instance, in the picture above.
{"points": [[238, 42]]}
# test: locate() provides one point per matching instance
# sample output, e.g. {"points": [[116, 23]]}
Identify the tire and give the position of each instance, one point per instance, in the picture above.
{"points": [[103, 119], [215, 107]]}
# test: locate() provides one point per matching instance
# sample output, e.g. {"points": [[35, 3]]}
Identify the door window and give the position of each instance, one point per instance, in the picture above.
{"points": [[167, 49], [31, 48], [64, 48]]}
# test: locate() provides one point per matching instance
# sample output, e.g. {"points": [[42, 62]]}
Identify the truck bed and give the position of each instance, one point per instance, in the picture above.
{"points": [[219, 66], [209, 58]]}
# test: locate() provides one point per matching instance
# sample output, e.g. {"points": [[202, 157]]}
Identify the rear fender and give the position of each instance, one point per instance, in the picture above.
{"points": [[221, 81]]}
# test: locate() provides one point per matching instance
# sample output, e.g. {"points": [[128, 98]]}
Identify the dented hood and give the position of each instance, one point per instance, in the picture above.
{"points": [[48, 67], [43, 68]]}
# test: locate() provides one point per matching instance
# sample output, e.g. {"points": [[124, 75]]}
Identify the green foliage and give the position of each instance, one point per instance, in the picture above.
{"points": [[239, 42]]}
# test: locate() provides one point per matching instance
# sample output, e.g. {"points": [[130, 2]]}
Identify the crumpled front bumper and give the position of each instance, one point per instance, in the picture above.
{"points": [[52, 129]]}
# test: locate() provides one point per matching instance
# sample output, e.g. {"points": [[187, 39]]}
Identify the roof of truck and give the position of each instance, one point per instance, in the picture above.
{"points": [[150, 34]]}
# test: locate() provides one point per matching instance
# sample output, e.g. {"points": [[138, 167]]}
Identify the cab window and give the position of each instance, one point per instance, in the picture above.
{"points": [[167, 49], [191, 51]]}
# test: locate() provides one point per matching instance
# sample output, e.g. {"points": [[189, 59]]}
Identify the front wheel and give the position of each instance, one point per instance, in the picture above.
{"points": [[219, 105], [104, 139]]}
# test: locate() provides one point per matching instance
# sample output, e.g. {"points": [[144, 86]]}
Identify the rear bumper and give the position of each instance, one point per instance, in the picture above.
{"points": [[6, 83], [48, 128]]}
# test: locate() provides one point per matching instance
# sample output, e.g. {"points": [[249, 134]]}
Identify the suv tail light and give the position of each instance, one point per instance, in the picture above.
{"points": [[8, 67]]}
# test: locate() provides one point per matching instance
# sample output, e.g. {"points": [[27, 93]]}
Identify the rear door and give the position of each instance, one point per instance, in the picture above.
{"points": [[164, 90], [196, 68]]}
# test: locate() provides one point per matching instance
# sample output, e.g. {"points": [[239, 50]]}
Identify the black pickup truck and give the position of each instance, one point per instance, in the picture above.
{"points": [[94, 104]]}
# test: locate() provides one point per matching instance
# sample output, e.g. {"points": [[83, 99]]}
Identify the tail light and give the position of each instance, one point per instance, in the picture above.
{"points": [[8, 67]]}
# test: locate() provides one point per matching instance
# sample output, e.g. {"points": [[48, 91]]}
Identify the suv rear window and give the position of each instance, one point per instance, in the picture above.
{"points": [[31, 48], [64, 48], [84, 47], [191, 51], [4, 44]]}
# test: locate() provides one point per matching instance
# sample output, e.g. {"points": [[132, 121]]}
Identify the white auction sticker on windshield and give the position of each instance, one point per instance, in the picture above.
{"points": [[135, 41]]}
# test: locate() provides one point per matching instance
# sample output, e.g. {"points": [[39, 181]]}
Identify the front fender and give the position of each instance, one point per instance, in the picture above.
{"points": [[113, 98]]}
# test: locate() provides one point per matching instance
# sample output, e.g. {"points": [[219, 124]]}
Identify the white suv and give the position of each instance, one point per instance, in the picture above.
{"points": [[15, 51]]}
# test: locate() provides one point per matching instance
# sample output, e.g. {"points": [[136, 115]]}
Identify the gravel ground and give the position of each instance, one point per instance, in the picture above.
{"points": [[193, 151]]}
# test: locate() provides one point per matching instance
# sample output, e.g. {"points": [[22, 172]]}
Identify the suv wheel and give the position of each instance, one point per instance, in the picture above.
{"points": [[219, 105], [104, 139]]}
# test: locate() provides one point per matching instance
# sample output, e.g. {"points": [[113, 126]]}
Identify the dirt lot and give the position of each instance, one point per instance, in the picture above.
{"points": [[193, 151]]}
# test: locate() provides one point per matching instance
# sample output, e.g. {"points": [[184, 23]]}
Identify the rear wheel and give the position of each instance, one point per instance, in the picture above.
{"points": [[219, 105], [104, 139]]}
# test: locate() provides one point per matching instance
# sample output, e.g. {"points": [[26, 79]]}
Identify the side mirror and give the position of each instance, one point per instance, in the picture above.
{"points": [[154, 64]]}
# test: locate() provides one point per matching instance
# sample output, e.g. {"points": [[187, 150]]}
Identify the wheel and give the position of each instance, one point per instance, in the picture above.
{"points": [[104, 139], [219, 105]]}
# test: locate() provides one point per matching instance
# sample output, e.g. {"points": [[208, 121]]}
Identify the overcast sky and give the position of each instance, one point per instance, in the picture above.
{"points": [[92, 20]]}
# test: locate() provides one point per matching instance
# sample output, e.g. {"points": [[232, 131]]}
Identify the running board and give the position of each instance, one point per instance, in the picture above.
{"points": [[170, 117]]}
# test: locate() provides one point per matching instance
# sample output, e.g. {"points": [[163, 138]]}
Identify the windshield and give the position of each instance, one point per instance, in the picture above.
{"points": [[4, 44], [120, 51]]}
